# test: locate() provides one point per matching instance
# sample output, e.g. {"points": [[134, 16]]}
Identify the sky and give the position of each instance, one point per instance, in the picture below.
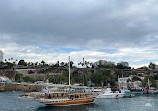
{"points": [[52, 30]]}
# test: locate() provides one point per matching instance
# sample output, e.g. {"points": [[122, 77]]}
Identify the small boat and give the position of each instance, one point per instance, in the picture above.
{"points": [[149, 89], [25, 97], [109, 94]]}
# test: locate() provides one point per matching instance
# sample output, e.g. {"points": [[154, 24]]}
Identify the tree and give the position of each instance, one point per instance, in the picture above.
{"points": [[57, 64], [97, 78], [62, 64], [151, 80], [5, 60], [86, 63], [80, 63], [22, 62], [43, 62], [28, 79], [155, 77], [152, 65], [36, 64], [136, 79], [120, 66], [71, 63], [18, 77]]}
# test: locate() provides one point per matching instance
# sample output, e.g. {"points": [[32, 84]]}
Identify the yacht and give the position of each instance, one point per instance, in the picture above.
{"points": [[107, 93], [66, 98], [69, 95]]}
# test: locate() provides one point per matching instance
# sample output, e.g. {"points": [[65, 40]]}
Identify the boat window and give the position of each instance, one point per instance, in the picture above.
{"points": [[76, 96], [72, 97], [49, 96], [53, 95], [81, 96]]}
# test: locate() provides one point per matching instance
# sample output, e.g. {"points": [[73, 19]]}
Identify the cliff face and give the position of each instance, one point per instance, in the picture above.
{"points": [[4, 87]]}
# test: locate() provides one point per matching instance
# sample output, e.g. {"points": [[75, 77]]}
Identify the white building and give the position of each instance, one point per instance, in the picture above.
{"points": [[125, 64], [126, 82], [123, 82], [137, 85], [1, 56]]}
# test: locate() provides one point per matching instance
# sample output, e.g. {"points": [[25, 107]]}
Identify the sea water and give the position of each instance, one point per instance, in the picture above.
{"points": [[9, 101]]}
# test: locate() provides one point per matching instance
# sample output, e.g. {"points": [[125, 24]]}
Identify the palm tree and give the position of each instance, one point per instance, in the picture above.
{"points": [[43, 62], [71, 63], [62, 63], [5, 60]]}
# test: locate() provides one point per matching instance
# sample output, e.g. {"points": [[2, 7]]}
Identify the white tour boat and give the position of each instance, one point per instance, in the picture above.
{"points": [[109, 94]]}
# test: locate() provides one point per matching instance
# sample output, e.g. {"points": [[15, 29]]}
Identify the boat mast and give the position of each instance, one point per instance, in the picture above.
{"points": [[83, 72], [118, 83], [148, 83], [69, 70]]}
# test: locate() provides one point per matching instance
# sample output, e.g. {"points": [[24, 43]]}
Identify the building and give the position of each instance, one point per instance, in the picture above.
{"points": [[137, 85], [123, 82], [104, 62], [128, 83], [1, 56], [125, 64]]}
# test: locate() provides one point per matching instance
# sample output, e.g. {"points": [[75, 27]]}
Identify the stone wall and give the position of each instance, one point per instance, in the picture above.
{"points": [[4, 87]]}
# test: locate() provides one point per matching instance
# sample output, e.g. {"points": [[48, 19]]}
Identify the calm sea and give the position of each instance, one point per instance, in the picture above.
{"points": [[9, 102]]}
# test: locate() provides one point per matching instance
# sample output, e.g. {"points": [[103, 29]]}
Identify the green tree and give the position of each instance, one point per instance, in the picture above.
{"points": [[22, 62], [43, 62], [62, 64], [71, 63], [156, 77], [18, 77], [152, 65], [151, 80], [57, 64], [97, 78], [136, 79], [28, 79]]}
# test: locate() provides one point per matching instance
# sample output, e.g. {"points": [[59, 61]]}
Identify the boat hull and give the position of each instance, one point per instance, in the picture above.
{"points": [[68, 102], [110, 95]]}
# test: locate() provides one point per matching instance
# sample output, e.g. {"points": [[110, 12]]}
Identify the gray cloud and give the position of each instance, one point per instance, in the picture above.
{"points": [[80, 23]]}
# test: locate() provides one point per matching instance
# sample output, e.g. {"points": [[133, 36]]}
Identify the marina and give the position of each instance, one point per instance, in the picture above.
{"points": [[9, 102], [112, 45]]}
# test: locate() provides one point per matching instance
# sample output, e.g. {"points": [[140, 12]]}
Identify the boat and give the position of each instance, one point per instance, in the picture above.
{"points": [[25, 97], [70, 95], [149, 89], [107, 93], [127, 93], [66, 98]]}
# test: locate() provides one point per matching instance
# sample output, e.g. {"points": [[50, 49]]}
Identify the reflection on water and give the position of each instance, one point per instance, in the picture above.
{"points": [[9, 102], [85, 107]]}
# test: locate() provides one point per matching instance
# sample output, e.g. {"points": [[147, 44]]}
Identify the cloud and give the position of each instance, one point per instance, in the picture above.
{"points": [[136, 57], [91, 26], [79, 23]]}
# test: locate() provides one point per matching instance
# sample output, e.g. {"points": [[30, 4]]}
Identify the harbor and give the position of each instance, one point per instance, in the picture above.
{"points": [[9, 102], [78, 55], [44, 95]]}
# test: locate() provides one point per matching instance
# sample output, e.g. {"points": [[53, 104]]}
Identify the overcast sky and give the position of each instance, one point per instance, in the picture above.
{"points": [[51, 30]]}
